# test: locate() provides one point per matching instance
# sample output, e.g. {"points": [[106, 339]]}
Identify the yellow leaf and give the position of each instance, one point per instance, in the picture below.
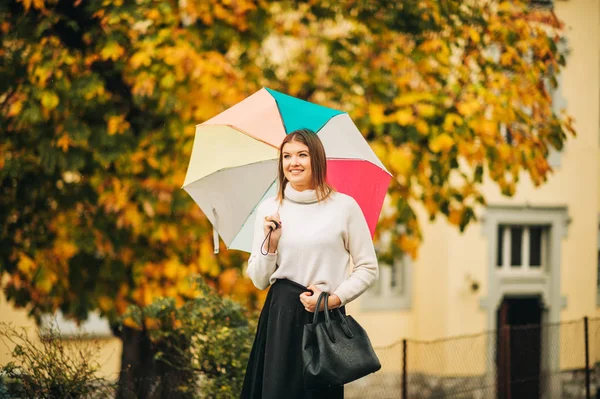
{"points": [[65, 250], [422, 127], [455, 216], [401, 160], [121, 305], [15, 108], [474, 35], [112, 51], [411, 98], [44, 285], [146, 297], [129, 322], [227, 280], [376, 114], [486, 129], [133, 218], [117, 124], [468, 108], [49, 100], [504, 151], [506, 58], [409, 245], [25, 264], [168, 81], [451, 120], [185, 288], [105, 303], [431, 206], [64, 142], [153, 162], [380, 150], [425, 110], [441, 143], [152, 324], [26, 4], [153, 14], [404, 117], [144, 85], [140, 58], [38, 4], [208, 261], [431, 45], [171, 267], [505, 6]]}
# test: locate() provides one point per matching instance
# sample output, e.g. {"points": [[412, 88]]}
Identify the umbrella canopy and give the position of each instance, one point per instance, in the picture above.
{"points": [[233, 166]]}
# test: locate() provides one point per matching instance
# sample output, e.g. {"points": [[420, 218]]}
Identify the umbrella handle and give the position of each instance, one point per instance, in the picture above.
{"points": [[277, 225], [215, 233]]}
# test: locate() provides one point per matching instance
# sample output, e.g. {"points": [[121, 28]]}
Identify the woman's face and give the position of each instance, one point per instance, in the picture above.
{"points": [[296, 165]]}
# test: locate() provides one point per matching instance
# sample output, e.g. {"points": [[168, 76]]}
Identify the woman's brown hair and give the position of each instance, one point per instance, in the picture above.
{"points": [[318, 163]]}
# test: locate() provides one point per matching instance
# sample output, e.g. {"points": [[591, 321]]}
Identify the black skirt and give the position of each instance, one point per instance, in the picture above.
{"points": [[274, 369]]}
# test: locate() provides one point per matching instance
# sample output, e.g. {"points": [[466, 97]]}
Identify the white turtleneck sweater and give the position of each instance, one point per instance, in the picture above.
{"points": [[326, 244]]}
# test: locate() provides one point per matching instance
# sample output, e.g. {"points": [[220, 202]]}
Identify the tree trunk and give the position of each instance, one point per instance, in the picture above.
{"points": [[143, 377]]}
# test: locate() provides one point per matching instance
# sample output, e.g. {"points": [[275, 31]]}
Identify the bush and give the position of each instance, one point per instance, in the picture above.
{"points": [[208, 338], [51, 368]]}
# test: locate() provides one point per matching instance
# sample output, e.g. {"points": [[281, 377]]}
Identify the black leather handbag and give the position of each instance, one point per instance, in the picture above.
{"points": [[335, 351]]}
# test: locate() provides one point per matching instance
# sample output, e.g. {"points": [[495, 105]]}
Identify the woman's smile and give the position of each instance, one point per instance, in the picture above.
{"points": [[297, 165]]}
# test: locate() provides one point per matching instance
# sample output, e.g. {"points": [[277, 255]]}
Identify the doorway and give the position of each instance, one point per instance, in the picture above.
{"points": [[519, 347]]}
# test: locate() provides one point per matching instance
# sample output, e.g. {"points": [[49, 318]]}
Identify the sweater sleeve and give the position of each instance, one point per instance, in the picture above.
{"points": [[260, 267], [360, 246]]}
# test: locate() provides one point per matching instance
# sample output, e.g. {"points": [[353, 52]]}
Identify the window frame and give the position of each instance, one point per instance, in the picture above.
{"points": [[380, 297], [598, 265], [505, 237]]}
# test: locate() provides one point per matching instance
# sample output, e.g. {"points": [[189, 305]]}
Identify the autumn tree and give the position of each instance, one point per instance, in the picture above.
{"points": [[99, 100], [97, 110], [447, 92]]}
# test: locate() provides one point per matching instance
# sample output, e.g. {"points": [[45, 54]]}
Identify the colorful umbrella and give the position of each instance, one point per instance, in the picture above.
{"points": [[233, 166]]}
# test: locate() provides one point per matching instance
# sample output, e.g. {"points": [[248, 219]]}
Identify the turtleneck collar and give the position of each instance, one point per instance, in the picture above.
{"points": [[301, 197]]}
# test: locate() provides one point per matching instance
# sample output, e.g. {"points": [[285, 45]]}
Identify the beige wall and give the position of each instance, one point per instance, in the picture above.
{"points": [[443, 305], [109, 357]]}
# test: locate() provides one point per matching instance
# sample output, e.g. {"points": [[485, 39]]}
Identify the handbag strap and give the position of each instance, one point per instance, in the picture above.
{"points": [[344, 323], [328, 325], [324, 296]]}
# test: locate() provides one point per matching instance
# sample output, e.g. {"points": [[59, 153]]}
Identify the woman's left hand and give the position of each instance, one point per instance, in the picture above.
{"points": [[309, 300]]}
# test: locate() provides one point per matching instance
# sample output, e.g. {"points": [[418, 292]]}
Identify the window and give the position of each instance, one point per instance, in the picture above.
{"points": [[393, 289], [522, 247], [94, 326]]}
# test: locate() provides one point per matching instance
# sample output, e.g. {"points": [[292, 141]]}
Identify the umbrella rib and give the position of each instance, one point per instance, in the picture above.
{"points": [[241, 131], [329, 119], [227, 168], [252, 211], [358, 159]]}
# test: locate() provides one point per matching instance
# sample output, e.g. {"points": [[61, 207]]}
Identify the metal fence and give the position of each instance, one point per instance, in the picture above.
{"points": [[559, 360]]}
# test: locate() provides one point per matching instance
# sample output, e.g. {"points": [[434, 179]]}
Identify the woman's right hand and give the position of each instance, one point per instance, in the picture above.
{"points": [[273, 223]]}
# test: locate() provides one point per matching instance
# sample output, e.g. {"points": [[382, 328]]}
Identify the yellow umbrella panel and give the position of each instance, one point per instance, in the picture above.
{"points": [[228, 174]]}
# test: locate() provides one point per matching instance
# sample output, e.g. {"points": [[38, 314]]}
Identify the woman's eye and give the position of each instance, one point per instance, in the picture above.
{"points": [[303, 155]]}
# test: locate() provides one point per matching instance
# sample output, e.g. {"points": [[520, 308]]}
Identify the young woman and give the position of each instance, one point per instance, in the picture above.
{"points": [[308, 239]]}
